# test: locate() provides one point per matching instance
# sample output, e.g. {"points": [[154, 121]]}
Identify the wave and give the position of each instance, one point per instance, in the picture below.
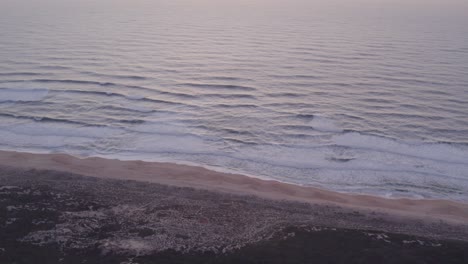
{"points": [[129, 77], [57, 137], [378, 101], [131, 88], [447, 153], [178, 95], [129, 108], [128, 121], [116, 76], [22, 95], [408, 81], [229, 87], [65, 81], [305, 116], [53, 67], [296, 77], [11, 74], [229, 96], [287, 95], [340, 161], [324, 124], [45, 119], [295, 127], [340, 142], [102, 93], [135, 97], [240, 141], [294, 106], [343, 173], [70, 81], [235, 106], [132, 97], [224, 78]]}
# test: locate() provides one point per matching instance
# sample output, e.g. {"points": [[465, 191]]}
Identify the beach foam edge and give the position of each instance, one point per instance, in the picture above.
{"points": [[202, 178]]}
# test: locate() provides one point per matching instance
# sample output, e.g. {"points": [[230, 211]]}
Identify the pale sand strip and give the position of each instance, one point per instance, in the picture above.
{"points": [[198, 177]]}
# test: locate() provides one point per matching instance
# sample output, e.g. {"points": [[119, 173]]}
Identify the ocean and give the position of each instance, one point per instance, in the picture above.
{"points": [[352, 96]]}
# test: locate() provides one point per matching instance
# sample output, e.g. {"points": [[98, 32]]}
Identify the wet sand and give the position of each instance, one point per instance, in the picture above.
{"points": [[198, 177]]}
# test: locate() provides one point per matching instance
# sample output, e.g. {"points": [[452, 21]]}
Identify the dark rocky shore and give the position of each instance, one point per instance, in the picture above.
{"points": [[56, 217]]}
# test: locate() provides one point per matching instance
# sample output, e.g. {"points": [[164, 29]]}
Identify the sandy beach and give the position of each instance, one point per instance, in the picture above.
{"points": [[198, 177], [255, 131], [56, 208]]}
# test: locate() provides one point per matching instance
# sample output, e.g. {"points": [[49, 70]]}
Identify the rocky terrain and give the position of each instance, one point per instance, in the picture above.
{"points": [[56, 217]]}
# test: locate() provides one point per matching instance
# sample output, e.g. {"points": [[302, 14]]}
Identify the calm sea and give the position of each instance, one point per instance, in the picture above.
{"points": [[354, 96]]}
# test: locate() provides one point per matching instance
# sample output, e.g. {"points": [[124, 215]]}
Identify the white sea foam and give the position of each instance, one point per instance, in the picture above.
{"points": [[348, 162], [22, 95], [435, 151], [324, 124], [345, 162], [55, 137], [54, 129]]}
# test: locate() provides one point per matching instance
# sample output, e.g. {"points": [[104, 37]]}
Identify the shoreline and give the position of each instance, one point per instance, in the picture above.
{"points": [[201, 178], [59, 217]]}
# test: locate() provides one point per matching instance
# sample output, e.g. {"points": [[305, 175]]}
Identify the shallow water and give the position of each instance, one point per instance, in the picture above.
{"points": [[352, 96]]}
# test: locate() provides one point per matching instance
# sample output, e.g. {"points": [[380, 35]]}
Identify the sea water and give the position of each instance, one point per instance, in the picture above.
{"points": [[353, 96]]}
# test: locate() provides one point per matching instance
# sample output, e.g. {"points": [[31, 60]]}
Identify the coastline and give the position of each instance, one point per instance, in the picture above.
{"points": [[52, 212], [201, 178]]}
